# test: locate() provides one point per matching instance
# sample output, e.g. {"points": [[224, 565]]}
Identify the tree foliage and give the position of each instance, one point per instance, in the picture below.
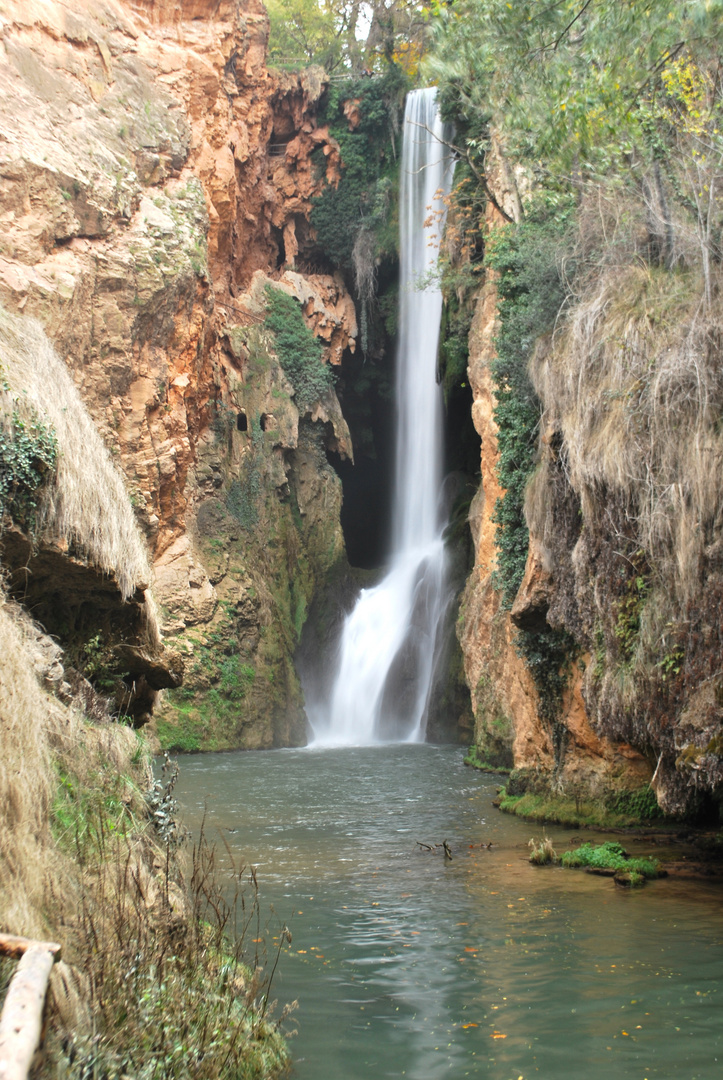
{"points": [[353, 35], [566, 81]]}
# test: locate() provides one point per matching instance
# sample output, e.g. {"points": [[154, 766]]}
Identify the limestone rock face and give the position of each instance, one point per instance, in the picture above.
{"points": [[150, 166], [509, 728]]}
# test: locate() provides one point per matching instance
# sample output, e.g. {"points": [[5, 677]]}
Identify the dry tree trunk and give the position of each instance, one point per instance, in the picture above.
{"points": [[22, 1014]]}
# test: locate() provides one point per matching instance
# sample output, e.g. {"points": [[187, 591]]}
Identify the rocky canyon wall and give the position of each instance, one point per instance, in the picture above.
{"points": [[623, 515], [154, 178]]}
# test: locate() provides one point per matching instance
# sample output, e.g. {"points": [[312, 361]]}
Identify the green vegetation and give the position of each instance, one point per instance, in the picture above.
{"points": [[175, 962], [621, 809], [175, 982], [629, 608], [182, 728], [531, 291], [568, 83], [87, 813], [640, 803], [474, 758], [298, 350], [95, 660], [331, 33], [610, 856], [207, 712], [28, 452], [356, 221]]}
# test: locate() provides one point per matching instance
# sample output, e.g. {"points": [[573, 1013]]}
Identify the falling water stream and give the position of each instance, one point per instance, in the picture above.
{"points": [[389, 640]]}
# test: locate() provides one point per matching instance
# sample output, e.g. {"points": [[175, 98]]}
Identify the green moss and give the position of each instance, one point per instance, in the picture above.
{"points": [[640, 803], [245, 493], [610, 856], [568, 810], [298, 350], [477, 761]]}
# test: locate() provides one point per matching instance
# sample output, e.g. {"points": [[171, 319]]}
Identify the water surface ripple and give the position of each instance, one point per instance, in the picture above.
{"points": [[409, 965]]}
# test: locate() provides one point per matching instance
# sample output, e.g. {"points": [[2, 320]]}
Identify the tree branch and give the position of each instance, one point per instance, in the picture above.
{"points": [[554, 44], [479, 176]]}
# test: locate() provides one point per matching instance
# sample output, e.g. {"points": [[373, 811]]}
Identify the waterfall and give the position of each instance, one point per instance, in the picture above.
{"points": [[388, 643]]}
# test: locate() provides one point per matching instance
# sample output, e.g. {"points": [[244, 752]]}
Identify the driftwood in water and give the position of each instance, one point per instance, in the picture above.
{"points": [[433, 847], [22, 1014]]}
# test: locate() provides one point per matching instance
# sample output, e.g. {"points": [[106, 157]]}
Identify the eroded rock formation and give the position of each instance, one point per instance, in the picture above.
{"points": [[150, 167], [623, 561]]}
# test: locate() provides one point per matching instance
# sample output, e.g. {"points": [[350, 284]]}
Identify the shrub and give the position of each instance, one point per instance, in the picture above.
{"points": [[177, 987]]}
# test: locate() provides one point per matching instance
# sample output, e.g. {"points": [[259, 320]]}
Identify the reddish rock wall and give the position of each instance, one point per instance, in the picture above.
{"points": [[150, 165], [509, 730]]}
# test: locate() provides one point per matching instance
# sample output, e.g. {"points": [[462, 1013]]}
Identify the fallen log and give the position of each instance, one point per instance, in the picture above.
{"points": [[14, 947], [22, 1013]]}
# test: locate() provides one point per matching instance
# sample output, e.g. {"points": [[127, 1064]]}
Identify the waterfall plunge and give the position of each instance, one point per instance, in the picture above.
{"points": [[388, 643]]}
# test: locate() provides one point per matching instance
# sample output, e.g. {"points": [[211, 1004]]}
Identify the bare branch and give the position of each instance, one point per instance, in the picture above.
{"points": [[479, 176]]}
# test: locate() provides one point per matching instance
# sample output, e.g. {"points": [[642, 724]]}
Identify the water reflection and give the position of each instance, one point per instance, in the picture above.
{"points": [[407, 964]]}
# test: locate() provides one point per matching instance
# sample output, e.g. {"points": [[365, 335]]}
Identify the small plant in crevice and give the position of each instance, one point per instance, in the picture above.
{"points": [[671, 664], [630, 606], [96, 662]]}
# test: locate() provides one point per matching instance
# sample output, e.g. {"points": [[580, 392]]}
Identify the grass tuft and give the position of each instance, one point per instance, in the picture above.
{"points": [[542, 853]]}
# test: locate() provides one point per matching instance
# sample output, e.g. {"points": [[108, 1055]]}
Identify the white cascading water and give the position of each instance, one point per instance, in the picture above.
{"points": [[388, 643]]}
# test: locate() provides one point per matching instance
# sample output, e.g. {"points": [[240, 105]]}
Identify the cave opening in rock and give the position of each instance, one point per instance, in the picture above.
{"points": [[242, 423], [278, 238]]}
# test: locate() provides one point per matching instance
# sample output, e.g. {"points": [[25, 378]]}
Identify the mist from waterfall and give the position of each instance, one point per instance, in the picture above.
{"points": [[389, 640]]}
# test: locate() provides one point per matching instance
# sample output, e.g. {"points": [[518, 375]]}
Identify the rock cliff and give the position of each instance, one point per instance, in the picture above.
{"points": [[151, 168], [510, 730], [622, 508]]}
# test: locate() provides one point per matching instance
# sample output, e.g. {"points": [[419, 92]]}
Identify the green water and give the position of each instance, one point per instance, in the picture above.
{"points": [[408, 965]]}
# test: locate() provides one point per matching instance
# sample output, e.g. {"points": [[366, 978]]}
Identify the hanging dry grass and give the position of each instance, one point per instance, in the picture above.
{"points": [[634, 383], [29, 720], [87, 506]]}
